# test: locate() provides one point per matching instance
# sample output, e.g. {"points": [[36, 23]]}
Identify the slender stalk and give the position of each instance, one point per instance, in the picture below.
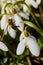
{"points": [[12, 54], [28, 60], [33, 16], [4, 33]]}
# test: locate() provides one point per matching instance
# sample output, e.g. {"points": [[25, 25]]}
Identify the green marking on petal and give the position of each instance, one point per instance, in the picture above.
{"points": [[26, 33]]}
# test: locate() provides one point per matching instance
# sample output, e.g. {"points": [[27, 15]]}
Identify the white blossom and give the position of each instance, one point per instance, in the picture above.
{"points": [[6, 27], [18, 22], [3, 46], [24, 15], [33, 3], [30, 42]]}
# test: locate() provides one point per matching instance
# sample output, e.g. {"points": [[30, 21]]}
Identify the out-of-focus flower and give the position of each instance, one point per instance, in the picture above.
{"points": [[5, 25], [3, 3], [3, 46], [30, 42], [31, 2], [18, 20], [23, 15]]}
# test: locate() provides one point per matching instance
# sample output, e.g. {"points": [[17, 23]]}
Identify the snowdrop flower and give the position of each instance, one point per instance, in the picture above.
{"points": [[3, 46], [33, 3], [30, 42], [23, 15], [18, 22], [5, 25]]}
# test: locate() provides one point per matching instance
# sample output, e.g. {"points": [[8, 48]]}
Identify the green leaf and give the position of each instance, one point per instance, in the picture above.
{"points": [[40, 42], [33, 26]]}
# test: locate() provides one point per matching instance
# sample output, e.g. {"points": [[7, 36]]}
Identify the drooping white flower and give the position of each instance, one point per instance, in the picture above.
{"points": [[30, 42], [23, 15], [38, 1], [18, 22], [6, 27], [3, 46], [33, 3]]}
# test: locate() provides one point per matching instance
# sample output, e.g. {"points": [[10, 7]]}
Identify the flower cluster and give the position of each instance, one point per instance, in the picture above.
{"points": [[7, 21]]}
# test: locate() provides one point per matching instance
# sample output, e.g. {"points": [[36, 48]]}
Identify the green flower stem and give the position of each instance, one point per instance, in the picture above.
{"points": [[12, 54], [6, 6], [23, 2], [33, 26], [33, 15], [10, 51]]}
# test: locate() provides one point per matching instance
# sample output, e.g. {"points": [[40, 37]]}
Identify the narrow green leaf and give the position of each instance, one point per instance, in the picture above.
{"points": [[33, 26]]}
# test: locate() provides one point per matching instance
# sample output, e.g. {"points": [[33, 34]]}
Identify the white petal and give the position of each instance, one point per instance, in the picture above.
{"points": [[33, 47], [38, 1], [18, 22], [24, 15], [28, 2], [21, 37], [21, 47], [32, 2], [3, 46], [17, 19], [2, 11], [21, 27], [33, 38], [5, 30], [25, 9], [3, 22], [12, 32]]}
